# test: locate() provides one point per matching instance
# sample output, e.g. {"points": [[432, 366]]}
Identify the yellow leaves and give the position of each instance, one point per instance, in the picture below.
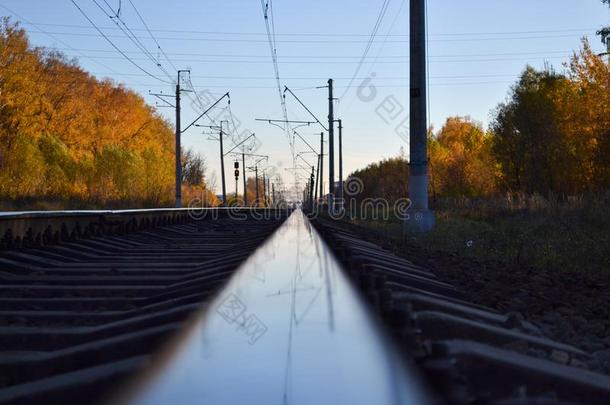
{"points": [[64, 134], [23, 171], [460, 160]]}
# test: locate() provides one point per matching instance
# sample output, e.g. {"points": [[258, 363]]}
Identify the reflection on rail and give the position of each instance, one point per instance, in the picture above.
{"points": [[287, 329]]}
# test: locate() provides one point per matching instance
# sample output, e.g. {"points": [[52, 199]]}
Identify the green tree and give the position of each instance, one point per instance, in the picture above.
{"points": [[551, 135], [528, 141]]}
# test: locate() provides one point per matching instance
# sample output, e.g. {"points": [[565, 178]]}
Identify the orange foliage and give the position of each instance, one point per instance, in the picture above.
{"points": [[66, 135]]}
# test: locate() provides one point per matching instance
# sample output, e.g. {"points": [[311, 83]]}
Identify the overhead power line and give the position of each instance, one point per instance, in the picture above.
{"points": [[341, 62], [312, 78], [152, 36], [196, 101], [321, 34], [334, 41], [382, 12], [397, 85], [406, 57], [387, 35], [120, 23], [319, 78], [270, 28], [116, 47], [68, 47]]}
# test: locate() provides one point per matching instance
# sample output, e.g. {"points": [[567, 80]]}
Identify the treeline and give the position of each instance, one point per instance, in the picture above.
{"points": [[550, 137], [383, 179], [66, 136]]}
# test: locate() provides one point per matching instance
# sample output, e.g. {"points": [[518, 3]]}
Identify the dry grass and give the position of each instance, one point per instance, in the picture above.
{"points": [[532, 231], [50, 204]]}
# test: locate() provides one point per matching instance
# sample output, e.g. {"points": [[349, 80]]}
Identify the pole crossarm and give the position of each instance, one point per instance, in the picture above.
{"points": [[269, 120], [255, 155], [161, 96], [298, 167], [306, 162], [306, 143], [273, 122], [206, 111], [207, 126], [286, 89], [242, 142], [261, 159]]}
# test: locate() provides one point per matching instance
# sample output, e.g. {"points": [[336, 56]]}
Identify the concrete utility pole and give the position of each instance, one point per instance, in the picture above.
{"points": [[317, 178], [178, 148], [255, 169], [268, 190], [179, 129], [321, 165], [222, 168], [179, 132], [273, 191], [311, 187], [331, 147], [256, 182], [264, 190], [421, 219], [341, 160]]}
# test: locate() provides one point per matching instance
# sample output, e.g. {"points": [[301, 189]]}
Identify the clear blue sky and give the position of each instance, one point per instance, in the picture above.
{"points": [[477, 49]]}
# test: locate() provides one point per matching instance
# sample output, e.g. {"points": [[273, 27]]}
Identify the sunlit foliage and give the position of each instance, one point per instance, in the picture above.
{"points": [[551, 137], [552, 133], [66, 135], [461, 163]]}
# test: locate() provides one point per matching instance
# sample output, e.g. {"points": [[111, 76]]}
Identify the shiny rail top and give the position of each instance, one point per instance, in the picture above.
{"points": [[76, 213], [287, 329]]}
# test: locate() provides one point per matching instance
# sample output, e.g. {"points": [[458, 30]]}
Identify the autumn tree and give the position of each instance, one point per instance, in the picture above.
{"points": [[461, 163], [528, 142], [251, 189], [551, 134], [585, 114], [193, 168], [385, 179], [66, 135]]}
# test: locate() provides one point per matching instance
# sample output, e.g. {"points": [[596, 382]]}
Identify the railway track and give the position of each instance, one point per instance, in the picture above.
{"points": [[155, 307], [467, 352], [79, 316]]}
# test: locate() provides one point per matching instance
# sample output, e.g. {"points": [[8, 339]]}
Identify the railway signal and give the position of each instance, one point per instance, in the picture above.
{"points": [[236, 166]]}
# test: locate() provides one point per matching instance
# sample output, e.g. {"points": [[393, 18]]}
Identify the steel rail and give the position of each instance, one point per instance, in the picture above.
{"points": [[80, 316], [20, 229], [287, 329], [467, 352]]}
